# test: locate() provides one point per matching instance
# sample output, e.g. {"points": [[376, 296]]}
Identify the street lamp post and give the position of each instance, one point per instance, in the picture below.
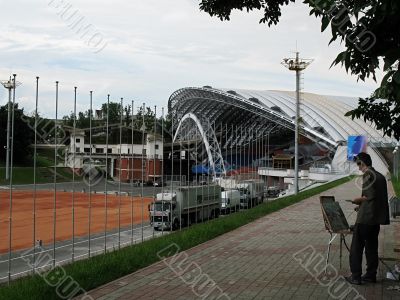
{"points": [[298, 65], [9, 85], [396, 162]]}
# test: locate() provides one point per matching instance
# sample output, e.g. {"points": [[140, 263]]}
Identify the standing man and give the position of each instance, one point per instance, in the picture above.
{"points": [[373, 211]]}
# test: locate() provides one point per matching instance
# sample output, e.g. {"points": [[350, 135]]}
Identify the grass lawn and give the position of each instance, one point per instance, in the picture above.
{"points": [[45, 158], [23, 174], [98, 270]]}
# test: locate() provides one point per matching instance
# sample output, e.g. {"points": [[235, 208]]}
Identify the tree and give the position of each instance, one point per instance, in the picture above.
{"points": [[83, 120], [127, 113], [23, 134], [45, 129], [68, 120], [370, 32], [114, 115], [168, 134], [149, 116]]}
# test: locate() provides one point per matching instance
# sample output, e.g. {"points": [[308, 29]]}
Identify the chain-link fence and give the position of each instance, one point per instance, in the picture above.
{"points": [[102, 179]]}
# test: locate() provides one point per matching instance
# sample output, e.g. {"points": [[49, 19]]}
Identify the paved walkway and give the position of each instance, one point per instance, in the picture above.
{"points": [[280, 256]]}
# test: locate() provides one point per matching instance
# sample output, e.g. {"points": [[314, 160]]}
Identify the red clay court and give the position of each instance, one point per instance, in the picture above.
{"points": [[22, 216]]}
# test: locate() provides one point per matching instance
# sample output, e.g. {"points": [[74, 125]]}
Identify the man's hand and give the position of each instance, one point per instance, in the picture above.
{"points": [[359, 200]]}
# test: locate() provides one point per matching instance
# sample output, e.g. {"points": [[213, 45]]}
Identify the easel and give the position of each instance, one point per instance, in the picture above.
{"points": [[336, 224], [342, 241]]}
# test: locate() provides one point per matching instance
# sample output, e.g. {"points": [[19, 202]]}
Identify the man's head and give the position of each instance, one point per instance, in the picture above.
{"points": [[363, 161]]}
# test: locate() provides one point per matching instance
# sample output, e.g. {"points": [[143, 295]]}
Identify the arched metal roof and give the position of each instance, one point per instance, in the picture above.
{"points": [[322, 116]]}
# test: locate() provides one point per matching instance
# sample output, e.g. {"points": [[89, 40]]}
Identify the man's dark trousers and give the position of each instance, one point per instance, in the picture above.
{"points": [[364, 236]]}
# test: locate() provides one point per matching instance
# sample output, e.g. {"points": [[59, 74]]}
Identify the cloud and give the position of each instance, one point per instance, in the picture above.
{"points": [[156, 47]]}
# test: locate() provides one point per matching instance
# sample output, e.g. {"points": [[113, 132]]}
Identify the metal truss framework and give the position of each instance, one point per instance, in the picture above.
{"points": [[245, 116], [230, 108], [203, 127]]}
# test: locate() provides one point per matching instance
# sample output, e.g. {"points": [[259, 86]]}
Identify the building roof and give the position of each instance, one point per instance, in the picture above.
{"points": [[322, 117]]}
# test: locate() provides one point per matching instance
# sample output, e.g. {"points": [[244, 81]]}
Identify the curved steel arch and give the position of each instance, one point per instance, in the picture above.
{"points": [[209, 139]]}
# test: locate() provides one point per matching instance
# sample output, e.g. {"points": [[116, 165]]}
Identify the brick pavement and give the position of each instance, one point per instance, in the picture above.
{"points": [[258, 261]]}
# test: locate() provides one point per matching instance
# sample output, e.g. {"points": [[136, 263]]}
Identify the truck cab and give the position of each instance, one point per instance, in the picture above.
{"points": [[245, 200], [162, 211], [251, 193]]}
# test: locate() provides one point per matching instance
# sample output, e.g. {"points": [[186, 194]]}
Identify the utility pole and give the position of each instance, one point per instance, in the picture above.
{"points": [[9, 85], [396, 161], [298, 65]]}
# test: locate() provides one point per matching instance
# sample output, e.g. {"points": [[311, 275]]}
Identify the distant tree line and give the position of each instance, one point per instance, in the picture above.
{"points": [[24, 128], [114, 117], [23, 134]]}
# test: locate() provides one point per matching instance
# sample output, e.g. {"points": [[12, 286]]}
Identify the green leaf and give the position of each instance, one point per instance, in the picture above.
{"points": [[347, 62], [349, 113], [396, 77], [341, 56], [390, 57], [325, 22]]}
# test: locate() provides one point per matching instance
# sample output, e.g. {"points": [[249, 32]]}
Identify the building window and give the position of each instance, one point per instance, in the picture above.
{"points": [[156, 147], [78, 149], [99, 150], [86, 150], [109, 150], [144, 152], [78, 140]]}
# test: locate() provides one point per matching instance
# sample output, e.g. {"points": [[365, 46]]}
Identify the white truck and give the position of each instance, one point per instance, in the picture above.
{"points": [[230, 201], [184, 205], [251, 192]]}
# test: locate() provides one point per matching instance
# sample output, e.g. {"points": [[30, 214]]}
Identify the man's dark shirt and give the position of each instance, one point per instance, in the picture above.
{"points": [[375, 209]]}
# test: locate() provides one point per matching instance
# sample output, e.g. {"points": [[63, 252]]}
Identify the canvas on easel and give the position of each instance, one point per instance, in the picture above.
{"points": [[334, 218], [326, 199], [335, 223]]}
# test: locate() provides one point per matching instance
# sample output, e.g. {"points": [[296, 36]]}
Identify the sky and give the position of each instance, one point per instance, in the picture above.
{"points": [[145, 50]]}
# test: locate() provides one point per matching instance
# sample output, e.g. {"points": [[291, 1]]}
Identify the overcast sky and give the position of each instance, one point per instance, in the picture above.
{"points": [[145, 50]]}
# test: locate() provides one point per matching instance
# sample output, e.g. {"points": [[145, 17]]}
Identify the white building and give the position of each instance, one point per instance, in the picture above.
{"points": [[80, 151]]}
